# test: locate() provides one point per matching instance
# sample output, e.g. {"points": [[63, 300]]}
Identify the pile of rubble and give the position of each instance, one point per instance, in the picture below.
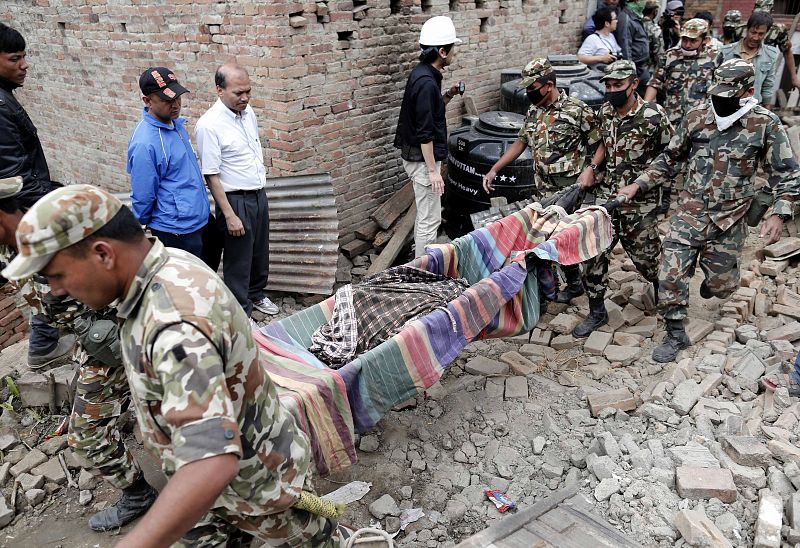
{"points": [[692, 453]]}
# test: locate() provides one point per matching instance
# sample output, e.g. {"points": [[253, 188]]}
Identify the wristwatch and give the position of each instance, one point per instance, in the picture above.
{"points": [[594, 167], [784, 217]]}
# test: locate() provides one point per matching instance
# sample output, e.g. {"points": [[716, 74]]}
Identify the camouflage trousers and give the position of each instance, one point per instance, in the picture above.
{"points": [[101, 396], [716, 250], [639, 236], [547, 185]]}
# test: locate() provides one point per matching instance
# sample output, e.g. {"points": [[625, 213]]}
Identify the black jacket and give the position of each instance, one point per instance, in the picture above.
{"points": [[20, 150], [422, 115]]}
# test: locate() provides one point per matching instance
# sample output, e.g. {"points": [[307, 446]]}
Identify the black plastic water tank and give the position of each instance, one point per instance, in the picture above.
{"points": [[472, 151], [572, 76]]}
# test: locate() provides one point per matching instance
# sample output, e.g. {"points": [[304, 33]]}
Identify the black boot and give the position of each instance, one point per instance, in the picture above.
{"points": [[574, 286], [597, 317], [705, 292], [134, 502], [676, 340], [655, 292]]}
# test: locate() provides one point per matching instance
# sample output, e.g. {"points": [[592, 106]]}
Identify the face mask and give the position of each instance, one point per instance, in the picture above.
{"points": [[536, 96], [617, 98], [725, 106], [689, 52]]}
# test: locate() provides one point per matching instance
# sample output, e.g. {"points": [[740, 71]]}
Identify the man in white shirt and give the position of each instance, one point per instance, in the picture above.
{"points": [[232, 162]]}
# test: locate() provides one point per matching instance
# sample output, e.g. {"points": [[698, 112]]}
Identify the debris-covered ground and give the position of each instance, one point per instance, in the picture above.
{"points": [[690, 453]]}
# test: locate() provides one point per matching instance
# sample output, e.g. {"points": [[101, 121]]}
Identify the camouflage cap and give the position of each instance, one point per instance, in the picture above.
{"points": [[732, 77], [58, 220], [650, 4], [733, 18], [619, 70], [694, 28], [764, 5], [10, 187], [538, 68]]}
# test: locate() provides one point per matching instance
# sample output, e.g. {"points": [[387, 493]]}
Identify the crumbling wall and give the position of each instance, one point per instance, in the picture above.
{"points": [[328, 76]]}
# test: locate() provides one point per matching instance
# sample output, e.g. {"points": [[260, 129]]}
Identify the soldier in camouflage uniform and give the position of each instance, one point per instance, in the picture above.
{"points": [[562, 134], [777, 36], [102, 392], [723, 142], [732, 27], [654, 34], [634, 133], [685, 72], [234, 457]]}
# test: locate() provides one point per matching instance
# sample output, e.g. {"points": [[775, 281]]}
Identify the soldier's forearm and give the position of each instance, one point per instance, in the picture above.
{"points": [[183, 502]]}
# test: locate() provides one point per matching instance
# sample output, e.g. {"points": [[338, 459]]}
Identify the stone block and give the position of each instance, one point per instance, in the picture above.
{"points": [[769, 521], [35, 496], [618, 399], [597, 342], [51, 470], [516, 388], [747, 450], [622, 354], [519, 364], [696, 456], [28, 481], [697, 329], [564, 323], [563, 342], [34, 388], [606, 488], [705, 483], [784, 451], [793, 510], [481, 365], [624, 338], [772, 268], [710, 383], [655, 412], [537, 351], [789, 332], [632, 315], [31, 460], [685, 396], [53, 445], [384, 506], [748, 366], [6, 513], [541, 336], [697, 530], [782, 248]]}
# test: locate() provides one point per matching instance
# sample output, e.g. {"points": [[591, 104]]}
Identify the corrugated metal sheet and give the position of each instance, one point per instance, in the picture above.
{"points": [[303, 233]]}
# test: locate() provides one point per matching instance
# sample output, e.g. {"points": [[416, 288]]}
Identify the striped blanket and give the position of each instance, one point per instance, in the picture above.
{"points": [[502, 300]]}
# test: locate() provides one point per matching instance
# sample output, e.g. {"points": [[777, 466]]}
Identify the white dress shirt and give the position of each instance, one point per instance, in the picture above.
{"points": [[229, 146]]}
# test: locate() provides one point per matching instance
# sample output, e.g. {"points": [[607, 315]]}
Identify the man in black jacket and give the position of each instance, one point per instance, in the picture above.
{"points": [[21, 155], [422, 128]]}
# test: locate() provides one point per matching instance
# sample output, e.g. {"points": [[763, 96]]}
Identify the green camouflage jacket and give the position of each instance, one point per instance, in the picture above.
{"points": [[656, 39], [721, 166], [632, 142], [198, 386], [560, 136], [685, 80]]}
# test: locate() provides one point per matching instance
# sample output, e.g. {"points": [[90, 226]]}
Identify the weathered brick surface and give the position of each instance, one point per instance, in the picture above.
{"points": [[13, 316], [327, 93]]}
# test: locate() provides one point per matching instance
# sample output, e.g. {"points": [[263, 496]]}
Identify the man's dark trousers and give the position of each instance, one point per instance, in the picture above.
{"points": [[245, 259], [191, 242]]}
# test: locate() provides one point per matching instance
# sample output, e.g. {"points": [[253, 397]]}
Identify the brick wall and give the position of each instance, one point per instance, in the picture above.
{"points": [[13, 316], [328, 76]]}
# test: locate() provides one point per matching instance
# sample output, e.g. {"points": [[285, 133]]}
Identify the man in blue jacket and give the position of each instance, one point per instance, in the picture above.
{"points": [[168, 194]]}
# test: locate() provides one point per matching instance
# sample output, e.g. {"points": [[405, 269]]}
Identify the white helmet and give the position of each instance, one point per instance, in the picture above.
{"points": [[438, 31]]}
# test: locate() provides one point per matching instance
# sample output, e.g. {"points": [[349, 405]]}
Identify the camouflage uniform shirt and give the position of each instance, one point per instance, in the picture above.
{"points": [[722, 165], [198, 385], [632, 142], [656, 37], [559, 136], [685, 80]]}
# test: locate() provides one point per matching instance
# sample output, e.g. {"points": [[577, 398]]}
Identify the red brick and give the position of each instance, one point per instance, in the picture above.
{"points": [[706, 483]]}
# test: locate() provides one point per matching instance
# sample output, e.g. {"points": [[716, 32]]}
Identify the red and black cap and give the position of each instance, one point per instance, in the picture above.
{"points": [[162, 81]]}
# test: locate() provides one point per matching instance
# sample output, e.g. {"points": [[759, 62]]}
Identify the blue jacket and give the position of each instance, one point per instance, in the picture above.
{"points": [[167, 188]]}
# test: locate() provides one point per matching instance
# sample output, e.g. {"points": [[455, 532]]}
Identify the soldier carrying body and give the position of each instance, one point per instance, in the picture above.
{"points": [[634, 132], [722, 141], [562, 133], [234, 456]]}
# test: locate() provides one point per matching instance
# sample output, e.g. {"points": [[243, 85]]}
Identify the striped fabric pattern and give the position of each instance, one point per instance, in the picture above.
{"points": [[503, 300]]}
